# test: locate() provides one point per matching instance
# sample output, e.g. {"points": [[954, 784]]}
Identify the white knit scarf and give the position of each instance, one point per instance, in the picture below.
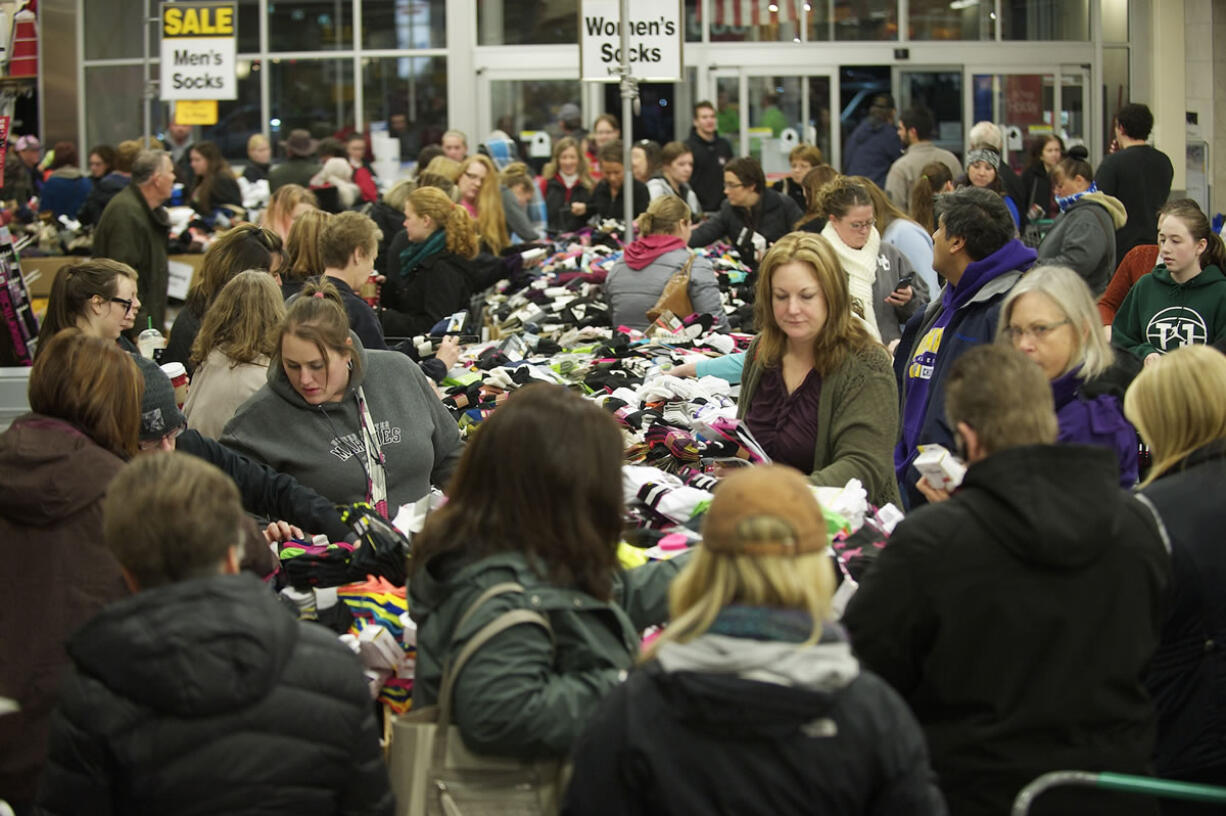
{"points": [[861, 268]]}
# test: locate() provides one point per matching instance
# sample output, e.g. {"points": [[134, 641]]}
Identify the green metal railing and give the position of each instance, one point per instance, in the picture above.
{"points": [[1122, 783]]}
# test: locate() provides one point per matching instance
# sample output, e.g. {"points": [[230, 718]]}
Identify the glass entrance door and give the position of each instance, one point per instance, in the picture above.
{"points": [[940, 91], [759, 112]]}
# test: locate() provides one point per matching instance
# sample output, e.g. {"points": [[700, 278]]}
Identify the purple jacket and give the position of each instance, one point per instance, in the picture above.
{"points": [[1095, 421]]}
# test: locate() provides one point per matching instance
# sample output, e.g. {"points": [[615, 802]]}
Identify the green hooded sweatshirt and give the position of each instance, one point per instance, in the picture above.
{"points": [[1160, 315]]}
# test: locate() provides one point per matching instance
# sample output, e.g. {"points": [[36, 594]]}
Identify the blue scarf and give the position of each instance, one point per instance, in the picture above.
{"points": [[412, 255], [767, 623], [1064, 202]]}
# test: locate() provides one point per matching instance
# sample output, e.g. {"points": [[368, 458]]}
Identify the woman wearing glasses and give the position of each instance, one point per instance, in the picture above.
{"points": [[480, 194], [749, 210], [1051, 317], [96, 296], [880, 278]]}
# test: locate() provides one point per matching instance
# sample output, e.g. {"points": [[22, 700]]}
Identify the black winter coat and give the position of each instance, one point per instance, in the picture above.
{"points": [[204, 697], [1189, 669], [412, 303], [100, 195], [773, 216], [266, 492], [605, 205], [707, 179], [700, 742], [1017, 619], [557, 205]]}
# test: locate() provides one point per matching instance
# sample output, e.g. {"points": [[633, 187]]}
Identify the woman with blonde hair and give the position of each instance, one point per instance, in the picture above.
{"points": [[233, 349], [430, 274], [259, 153], [480, 194], [657, 253], [244, 247], [1179, 407], [1050, 316], [443, 166], [302, 256], [56, 464], [568, 187], [752, 701], [818, 389], [286, 204]]}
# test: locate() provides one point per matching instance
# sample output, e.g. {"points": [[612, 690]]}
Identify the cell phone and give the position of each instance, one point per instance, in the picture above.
{"points": [[904, 282]]}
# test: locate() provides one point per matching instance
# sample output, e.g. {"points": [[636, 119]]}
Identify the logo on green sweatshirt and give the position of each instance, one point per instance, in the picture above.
{"points": [[1174, 327]]}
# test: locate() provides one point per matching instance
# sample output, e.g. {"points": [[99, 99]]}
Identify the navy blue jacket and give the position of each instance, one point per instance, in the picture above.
{"points": [[974, 322], [1188, 671], [871, 149]]}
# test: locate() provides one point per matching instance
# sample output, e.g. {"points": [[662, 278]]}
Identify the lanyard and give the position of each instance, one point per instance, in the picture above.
{"points": [[372, 452]]}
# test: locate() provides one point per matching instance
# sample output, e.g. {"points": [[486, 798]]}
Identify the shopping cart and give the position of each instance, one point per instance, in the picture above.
{"points": [[1122, 783]]}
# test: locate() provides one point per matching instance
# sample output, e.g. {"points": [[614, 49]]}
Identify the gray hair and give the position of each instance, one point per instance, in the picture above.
{"points": [[986, 134], [979, 217], [1070, 293], [146, 163]]}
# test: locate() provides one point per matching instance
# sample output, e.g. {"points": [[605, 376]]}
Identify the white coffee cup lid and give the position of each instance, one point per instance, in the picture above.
{"points": [[173, 370]]}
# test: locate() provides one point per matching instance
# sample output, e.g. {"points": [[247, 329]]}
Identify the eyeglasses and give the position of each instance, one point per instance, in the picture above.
{"points": [[732, 185], [153, 444], [861, 226], [1039, 331], [126, 304], [473, 176]]}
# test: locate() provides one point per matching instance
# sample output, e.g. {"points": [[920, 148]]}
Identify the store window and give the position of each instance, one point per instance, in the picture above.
{"points": [[310, 25], [316, 95], [739, 21], [1045, 20], [238, 119], [404, 24], [952, 20], [526, 107], [112, 29], [527, 22], [413, 86], [852, 20], [693, 22], [115, 104]]}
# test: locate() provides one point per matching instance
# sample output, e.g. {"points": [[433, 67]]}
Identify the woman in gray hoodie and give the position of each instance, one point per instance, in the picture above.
{"points": [[637, 280], [1083, 236]]}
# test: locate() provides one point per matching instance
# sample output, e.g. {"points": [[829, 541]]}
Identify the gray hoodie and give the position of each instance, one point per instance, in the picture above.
{"points": [[1083, 239], [321, 445]]}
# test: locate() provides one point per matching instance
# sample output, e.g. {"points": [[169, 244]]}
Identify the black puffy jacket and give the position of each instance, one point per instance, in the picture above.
{"points": [[1188, 672], [207, 696], [413, 302]]}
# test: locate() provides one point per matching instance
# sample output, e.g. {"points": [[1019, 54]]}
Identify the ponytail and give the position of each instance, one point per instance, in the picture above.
{"points": [[932, 180], [664, 214], [73, 288], [1190, 213], [454, 220]]}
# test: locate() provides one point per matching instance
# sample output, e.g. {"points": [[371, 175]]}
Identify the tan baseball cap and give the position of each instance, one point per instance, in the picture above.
{"points": [[776, 493]]}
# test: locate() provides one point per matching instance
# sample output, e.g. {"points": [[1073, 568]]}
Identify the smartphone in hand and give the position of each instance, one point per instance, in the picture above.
{"points": [[904, 282]]}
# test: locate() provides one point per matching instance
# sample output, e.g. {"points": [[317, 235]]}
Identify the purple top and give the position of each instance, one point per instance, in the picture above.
{"points": [[784, 424], [1094, 421]]}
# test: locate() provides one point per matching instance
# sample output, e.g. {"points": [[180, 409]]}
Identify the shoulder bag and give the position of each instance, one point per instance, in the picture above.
{"points": [[434, 774], [676, 295]]}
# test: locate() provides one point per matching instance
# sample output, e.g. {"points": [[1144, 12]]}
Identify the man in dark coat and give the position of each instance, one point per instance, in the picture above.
{"points": [[201, 693], [301, 164], [134, 229], [711, 152], [873, 146], [1018, 617]]}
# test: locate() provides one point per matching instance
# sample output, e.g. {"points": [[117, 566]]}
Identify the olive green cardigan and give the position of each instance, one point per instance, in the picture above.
{"points": [[857, 422]]}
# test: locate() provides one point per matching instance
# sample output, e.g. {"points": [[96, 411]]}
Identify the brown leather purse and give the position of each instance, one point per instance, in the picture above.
{"points": [[676, 295]]}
